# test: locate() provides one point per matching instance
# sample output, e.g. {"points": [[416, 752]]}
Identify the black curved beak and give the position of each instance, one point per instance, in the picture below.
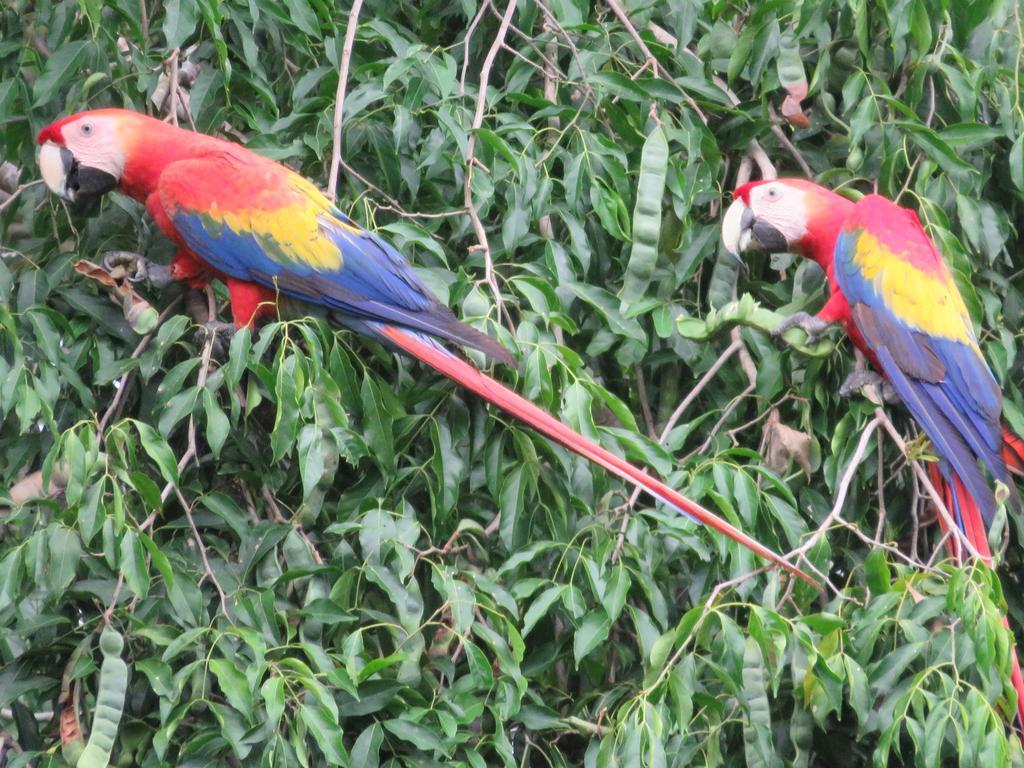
{"points": [[85, 183], [768, 237], [67, 177], [741, 231]]}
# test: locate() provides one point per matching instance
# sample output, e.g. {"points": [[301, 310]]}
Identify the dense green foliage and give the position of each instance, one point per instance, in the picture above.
{"points": [[343, 498]]}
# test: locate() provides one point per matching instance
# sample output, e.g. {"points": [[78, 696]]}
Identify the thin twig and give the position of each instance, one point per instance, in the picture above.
{"points": [[553, 21], [841, 491], [785, 142], [754, 149], [894, 551], [114, 409], [172, 87], [278, 517], [690, 397], [731, 433], [144, 23], [732, 406], [723, 358], [677, 414], [399, 211], [17, 192], [933, 494], [109, 612], [275, 510], [880, 482], [750, 370], [339, 99], [650, 59], [465, 45], [915, 515], [545, 225], [623, 17], [547, 57], [467, 186], [207, 568], [931, 102], [191, 451], [645, 405], [735, 582]]}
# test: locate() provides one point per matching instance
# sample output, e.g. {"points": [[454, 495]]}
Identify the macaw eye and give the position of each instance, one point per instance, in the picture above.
{"points": [[773, 192], [86, 129]]}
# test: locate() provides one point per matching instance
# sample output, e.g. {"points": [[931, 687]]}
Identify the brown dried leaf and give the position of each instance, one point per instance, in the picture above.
{"points": [[139, 313], [70, 728], [30, 487], [783, 445], [9, 174]]}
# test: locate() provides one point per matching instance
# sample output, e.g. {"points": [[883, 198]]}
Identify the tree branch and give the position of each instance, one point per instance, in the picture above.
{"points": [[467, 186], [841, 491], [926, 483], [339, 99]]}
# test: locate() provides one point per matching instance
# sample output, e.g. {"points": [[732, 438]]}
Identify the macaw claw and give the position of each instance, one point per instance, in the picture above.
{"points": [[862, 378], [136, 268], [814, 327]]}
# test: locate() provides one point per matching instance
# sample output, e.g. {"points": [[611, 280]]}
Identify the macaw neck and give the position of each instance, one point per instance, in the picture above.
{"points": [[154, 145], [825, 220]]}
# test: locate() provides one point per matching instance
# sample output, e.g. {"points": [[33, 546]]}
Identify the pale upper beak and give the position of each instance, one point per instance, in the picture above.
{"points": [[736, 226], [55, 164], [742, 230], [66, 177]]}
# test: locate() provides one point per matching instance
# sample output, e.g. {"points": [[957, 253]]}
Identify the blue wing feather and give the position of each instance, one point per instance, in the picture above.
{"points": [[307, 249], [943, 381]]}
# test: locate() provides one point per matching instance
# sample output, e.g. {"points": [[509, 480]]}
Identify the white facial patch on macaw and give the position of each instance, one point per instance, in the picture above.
{"points": [[95, 143], [783, 207]]}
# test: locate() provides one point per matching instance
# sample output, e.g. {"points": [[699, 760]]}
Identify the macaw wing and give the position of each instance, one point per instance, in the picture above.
{"points": [[906, 305], [257, 221]]}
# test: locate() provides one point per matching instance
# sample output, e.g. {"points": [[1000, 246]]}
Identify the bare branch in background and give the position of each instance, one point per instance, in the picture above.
{"points": [[339, 99], [467, 188]]}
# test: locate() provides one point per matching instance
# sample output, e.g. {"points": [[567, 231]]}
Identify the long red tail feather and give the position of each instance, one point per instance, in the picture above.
{"points": [[1013, 451], [503, 397], [958, 501]]}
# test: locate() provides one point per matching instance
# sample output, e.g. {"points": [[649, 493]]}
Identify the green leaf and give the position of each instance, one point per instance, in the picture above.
{"points": [[132, 561], [58, 71], [378, 424], [592, 631], [876, 569], [540, 607], [217, 424], [304, 17], [366, 750], [159, 451], [416, 734], [65, 549], [233, 684], [326, 731], [180, 20]]}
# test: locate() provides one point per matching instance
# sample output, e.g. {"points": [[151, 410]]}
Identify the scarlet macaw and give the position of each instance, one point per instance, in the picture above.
{"points": [[264, 230], [896, 299]]}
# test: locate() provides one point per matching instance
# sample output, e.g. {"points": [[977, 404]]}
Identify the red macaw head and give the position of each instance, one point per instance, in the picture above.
{"points": [[82, 155], [780, 215]]}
